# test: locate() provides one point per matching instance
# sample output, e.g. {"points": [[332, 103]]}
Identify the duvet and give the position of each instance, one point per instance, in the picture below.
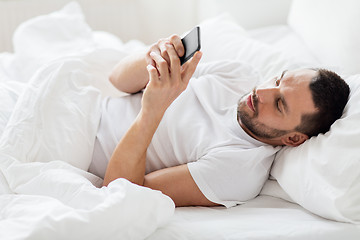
{"points": [[47, 142]]}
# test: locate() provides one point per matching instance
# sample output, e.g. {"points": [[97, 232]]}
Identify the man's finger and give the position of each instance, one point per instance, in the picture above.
{"points": [[190, 66], [161, 65], [174, 61], [164, 54], [178, 45], [149, 60], [153, 73]]}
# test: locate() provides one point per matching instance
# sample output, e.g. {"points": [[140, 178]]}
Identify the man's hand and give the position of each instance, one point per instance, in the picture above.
{"points": [[160, 48], [167, 79], [130, 74]]}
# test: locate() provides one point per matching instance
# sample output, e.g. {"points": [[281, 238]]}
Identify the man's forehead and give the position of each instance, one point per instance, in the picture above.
{"points": [[298, 93], [300, 74]]}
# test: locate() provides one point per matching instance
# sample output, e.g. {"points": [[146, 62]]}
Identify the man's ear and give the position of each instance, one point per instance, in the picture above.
{"points": [[294, 139]]}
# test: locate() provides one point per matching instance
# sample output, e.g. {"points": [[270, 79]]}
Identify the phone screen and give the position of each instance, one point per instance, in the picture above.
{"points": [[191, 44]]}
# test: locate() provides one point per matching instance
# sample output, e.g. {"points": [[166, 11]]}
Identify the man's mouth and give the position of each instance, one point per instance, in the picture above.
{"points": [[250, 103]]}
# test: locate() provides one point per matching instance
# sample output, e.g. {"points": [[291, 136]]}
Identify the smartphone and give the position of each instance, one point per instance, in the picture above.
{"points": [[191, 44]]}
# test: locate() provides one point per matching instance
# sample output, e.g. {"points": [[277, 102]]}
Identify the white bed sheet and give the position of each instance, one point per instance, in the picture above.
{"points": [[263, 218]]}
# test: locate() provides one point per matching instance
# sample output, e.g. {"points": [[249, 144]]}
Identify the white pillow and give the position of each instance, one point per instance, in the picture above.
{"points": [[61, 32], [330, 28], [222, 38], [323, 174], [47, 37]]}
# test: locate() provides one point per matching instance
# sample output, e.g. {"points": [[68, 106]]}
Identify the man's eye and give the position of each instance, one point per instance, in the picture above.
{"points": [[278, 105]]}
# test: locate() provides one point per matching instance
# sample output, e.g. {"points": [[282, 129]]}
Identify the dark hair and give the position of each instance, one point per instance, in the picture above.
{"points": [[330, 94]]}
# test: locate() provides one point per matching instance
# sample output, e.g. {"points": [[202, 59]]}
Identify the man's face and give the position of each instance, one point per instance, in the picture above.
{"points": [[274, 108]]}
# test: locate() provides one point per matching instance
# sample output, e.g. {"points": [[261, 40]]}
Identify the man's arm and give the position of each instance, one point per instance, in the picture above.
{"points": [[178, 184], [167, 81], [130, 74]]}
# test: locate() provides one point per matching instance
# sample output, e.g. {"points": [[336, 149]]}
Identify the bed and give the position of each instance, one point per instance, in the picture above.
{"points": [[59, 64]]}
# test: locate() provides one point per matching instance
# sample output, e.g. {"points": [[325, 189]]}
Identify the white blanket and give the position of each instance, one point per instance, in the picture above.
{"points": [[46, 146]]}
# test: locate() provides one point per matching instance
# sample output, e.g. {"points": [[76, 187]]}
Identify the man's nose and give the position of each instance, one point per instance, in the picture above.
{"points": [[266, 94]]}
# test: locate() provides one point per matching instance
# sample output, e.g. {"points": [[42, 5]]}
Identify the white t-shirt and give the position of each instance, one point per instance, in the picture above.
{"points": [[200, 129]]}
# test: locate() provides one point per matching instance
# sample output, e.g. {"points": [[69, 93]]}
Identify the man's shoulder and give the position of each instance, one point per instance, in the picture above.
{"points": [[243, 150]]}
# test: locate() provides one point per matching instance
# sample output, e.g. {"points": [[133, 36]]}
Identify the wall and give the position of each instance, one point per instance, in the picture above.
{"points": [[146, 20]]}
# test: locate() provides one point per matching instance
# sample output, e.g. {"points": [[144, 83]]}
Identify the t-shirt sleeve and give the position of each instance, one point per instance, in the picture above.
{"points": [[229, 177]]}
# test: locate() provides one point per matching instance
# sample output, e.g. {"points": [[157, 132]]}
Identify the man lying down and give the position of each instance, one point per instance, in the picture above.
{"points": [[206, 141]]}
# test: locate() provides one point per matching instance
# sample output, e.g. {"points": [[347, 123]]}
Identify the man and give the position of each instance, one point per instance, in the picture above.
{"points": [[197, 142]]}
